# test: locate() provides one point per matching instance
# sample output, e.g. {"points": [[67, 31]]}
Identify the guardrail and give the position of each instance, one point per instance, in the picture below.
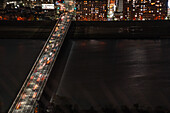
{"points": [[36, 80]]}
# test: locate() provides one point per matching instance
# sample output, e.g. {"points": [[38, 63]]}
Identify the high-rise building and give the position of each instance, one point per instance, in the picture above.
{"points": [[69, 4], [111, 9], [119, 4], [168, 13], [144, 9], [91, 10]]}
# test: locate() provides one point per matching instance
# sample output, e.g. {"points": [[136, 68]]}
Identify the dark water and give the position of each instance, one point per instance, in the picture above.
{"points": [[17, 56], [118, 72], [98, 72]]}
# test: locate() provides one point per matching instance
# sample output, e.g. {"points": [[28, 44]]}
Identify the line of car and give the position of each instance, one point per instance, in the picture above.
{"points": [[41, 71]]}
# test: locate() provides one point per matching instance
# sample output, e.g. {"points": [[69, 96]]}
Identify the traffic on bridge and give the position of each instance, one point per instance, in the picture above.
{"points": [[31, 91]]}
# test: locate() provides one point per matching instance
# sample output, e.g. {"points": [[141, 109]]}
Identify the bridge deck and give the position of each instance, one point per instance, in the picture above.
{"points": [[33, 86]]}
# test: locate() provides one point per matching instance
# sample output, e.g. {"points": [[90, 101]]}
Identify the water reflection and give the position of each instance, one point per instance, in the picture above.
{"points": [[118, 72]]}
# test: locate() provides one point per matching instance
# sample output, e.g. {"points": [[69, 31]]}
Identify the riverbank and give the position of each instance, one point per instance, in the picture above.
{"points": [[120, 29], [25, 29]]}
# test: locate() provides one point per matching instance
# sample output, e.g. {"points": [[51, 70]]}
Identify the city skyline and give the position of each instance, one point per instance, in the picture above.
{"points": [[109, 10]]}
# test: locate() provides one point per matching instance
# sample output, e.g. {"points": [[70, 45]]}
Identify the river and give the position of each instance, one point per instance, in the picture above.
{"points": [[118, 72], [17, 57], [97, 72]]}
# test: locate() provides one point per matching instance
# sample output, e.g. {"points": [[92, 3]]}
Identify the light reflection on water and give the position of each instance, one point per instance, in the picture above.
{"points": [[99, 72], [118, 72]]}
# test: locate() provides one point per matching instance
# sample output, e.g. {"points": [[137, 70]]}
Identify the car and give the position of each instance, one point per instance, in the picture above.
{"points": [[46, 50], [55, 49], [41, 66], [56, 29], [54, 35], [38, 79], [23, 102], [44, 71], [40, 75], [35, 86], [62, 28], [68, 20], [42, 79], [57, 44], [52, 45], [23, 96], [30, 84], [36, 74], [27, 108], [51, 41], [45, 57], [62, 18], [34, 95], [31, 77], [18, 105], [46, 67], [52, 38], [50, 54], [48, 61], [58, 35], [47, 46], [28, 90]]}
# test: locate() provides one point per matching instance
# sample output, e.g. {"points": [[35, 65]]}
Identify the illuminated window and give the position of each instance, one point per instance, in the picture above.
{"points": [[85, 2]]}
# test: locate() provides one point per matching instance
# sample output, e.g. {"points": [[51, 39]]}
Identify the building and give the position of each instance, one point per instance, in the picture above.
{"points": [[144, 9], [168, 15], [91, 10], [119, 4], [32, 3], [111, 9], [69, 4]]}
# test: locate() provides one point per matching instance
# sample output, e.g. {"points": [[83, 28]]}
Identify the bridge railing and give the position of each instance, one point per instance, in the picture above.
{"points": [[19, 105]]}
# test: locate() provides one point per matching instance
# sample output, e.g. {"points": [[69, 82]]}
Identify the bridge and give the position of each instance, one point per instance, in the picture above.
{"points": [[31, 91]]}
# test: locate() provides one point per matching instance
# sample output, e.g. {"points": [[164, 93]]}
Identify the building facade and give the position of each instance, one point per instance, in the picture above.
{"points": [[30, 3], [91, 10], [145, 9]]}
